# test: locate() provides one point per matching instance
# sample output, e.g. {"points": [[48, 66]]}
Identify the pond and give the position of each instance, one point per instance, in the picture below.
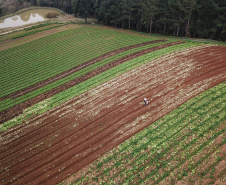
{"points": [[28, 17]]}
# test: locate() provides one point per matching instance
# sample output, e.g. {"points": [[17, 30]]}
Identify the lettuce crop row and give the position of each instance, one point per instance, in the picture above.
{"points": [[38, 26]]}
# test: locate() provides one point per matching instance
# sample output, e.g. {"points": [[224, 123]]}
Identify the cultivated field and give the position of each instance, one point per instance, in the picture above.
{"points": [[72, 94]]}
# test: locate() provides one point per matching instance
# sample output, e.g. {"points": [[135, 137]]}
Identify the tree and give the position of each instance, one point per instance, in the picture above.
{"points": [[84, 8], [196, 18], [150, 11], [137, 14], [190, 6], [128, 8], [104, 13]]}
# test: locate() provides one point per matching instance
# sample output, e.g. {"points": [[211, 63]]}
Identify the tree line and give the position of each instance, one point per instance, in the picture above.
{"points": [[190, 18]]}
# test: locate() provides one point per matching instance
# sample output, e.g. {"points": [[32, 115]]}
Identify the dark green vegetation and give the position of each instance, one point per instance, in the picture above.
{"points": [[185, 145], [190, 18]]}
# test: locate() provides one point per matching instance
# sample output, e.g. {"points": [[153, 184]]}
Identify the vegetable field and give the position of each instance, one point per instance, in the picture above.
{"points": [[187, 146], [72, 110]]}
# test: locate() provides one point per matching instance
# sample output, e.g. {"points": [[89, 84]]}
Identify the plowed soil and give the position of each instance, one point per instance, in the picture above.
{"points": [[50, 147]]}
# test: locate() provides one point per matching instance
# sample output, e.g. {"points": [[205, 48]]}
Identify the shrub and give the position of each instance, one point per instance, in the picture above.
{"points": [[51, 15]]}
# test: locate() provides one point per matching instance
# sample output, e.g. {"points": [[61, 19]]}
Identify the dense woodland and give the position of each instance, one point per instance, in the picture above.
{"points": [[190, 18]]}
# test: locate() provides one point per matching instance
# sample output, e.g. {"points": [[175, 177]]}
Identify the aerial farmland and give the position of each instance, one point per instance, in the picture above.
{"points": [[72, 107]]}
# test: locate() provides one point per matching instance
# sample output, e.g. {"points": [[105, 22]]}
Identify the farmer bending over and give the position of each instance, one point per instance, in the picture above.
{"points": [[146, 101]]}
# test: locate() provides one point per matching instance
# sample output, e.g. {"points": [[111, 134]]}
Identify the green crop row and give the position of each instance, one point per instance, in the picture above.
{"points": [[167, 144], [38, 26], [86, 85], [64, 52]]}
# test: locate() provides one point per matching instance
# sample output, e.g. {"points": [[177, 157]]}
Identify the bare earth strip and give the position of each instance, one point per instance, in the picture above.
{"points": [[18, 109], [73, 70], [49, 148], [17, 42]]}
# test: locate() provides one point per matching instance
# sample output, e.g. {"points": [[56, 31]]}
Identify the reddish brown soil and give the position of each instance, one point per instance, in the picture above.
{"points": [[50, 147], [18, 109]]}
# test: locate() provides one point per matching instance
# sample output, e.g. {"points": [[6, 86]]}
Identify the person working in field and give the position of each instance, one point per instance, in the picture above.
{"points": [[146, 101]]}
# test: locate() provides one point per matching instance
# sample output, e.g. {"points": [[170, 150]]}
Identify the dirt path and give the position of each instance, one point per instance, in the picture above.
{"points": [[18, 109], [52, 146]]}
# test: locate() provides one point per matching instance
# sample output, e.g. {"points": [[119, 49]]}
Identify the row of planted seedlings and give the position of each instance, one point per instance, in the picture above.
{"points": [[61, 61], [84, 86], [81, 72], [48, 50], [166, 145]]}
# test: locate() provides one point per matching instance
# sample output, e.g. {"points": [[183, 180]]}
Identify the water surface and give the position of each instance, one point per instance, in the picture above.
{"points": [[28, 17]]}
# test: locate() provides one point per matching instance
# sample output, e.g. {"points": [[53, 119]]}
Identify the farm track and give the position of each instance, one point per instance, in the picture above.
{"points": [[73, 70], [18, 109], [81, 134]]}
